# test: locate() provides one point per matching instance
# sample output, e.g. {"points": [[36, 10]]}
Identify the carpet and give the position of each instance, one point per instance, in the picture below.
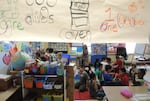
{"points": [[81, 95]]}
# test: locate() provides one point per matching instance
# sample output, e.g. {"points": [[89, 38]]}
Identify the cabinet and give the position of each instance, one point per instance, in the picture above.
{"points": [[44, 87]]}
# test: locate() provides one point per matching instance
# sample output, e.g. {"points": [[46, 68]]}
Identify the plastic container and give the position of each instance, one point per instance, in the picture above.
{"points": [[46, 97], [58, 97], [28, 83], [48, 85], [35, 70], [39, 83], [58, 86], [52, 70], [43, 70], [60, 71]]}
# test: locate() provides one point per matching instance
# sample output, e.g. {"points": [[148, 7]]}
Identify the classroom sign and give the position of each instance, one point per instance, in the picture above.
{"points": [[96, 21]]}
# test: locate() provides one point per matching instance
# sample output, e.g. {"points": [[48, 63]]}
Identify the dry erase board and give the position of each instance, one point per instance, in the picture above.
{"points": [[139, 49]]}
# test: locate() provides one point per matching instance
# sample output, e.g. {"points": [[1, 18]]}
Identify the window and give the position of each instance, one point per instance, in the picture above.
{"points": [[130, 47]]}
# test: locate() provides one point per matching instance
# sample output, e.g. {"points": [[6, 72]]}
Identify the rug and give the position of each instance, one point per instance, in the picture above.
{"points": [[81, 95]]}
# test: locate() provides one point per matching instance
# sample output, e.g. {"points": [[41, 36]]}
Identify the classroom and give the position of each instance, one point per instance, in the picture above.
{"points": [[74, 50]]}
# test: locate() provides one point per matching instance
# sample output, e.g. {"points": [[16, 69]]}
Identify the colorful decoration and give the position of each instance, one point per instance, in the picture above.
{"points": [[7, 59], [18, 60]]}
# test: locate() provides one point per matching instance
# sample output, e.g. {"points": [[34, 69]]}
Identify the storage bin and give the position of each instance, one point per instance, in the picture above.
{"points": [[39, 83], [58, 97], [35, 70], [46, 97], [28, 82], [58, 86], [52, 70], [43, 70], [48, 85], [5, 82], [60, 71]]}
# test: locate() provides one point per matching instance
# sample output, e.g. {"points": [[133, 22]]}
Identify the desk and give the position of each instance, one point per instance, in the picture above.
{"points": [[137, 62], [4, 95], [113, 92]]}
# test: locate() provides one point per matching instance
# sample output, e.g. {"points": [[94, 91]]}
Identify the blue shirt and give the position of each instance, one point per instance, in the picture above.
{"points": [[107, 78]]}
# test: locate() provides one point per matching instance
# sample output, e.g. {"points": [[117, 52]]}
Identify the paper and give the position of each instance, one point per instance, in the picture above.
{"points": [[96, 21]]}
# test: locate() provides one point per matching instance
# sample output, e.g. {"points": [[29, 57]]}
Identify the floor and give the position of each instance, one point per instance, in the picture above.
{"points": [[85, 100]]}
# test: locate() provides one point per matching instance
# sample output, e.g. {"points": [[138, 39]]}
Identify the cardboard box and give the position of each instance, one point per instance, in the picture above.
{"points": [[5, 82]]}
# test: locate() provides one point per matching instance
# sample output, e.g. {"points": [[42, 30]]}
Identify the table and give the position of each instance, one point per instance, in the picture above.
{"points": [[4, 95], [113, 92]]}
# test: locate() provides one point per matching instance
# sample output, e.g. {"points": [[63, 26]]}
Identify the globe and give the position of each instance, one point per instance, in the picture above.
{"points": [[18, 60]]}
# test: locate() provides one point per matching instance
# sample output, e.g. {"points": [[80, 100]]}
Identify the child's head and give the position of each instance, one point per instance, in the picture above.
{"points": [[108, 68], [100, 66], [104, 59], [93, 76], [81, 68], [133, 65], [122, 71], [108, 60]]}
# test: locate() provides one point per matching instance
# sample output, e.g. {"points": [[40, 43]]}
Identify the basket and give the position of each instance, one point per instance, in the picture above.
{"points": [[46, 97], [43, 70], [52, 70], [58, 97], [58, 86], [28, 83], [60, 71], [39, 83], [48, 85], [35, 70]]}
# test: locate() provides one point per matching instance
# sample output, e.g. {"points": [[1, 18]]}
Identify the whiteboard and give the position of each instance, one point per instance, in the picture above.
{"points": [[140, 49]]}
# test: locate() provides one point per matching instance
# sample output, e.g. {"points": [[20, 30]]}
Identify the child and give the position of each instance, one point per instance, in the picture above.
{"points": [[133, 72], [118, 64], [108, 78], [99, 74], [93, 86], [83, 81], [123, 77], [95, 89]]}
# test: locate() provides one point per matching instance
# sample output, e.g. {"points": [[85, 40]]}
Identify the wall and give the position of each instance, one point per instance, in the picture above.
{"points": [[3, 66]]}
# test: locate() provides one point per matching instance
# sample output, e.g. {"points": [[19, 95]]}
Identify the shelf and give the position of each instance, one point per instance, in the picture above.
{"points": [[42, 75], [46, 89]]}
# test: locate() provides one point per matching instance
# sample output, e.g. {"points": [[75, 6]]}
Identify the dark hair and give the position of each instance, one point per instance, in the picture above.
{"points": [[108, 60], [97, 60], [123, 70], [107, 67], [38, 54], [103, 58], [100, 65], [51, 50]]}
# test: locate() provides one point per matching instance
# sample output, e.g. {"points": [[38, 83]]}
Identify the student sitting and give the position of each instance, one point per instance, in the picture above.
{"points": [[123, 77], [99, 74], [83, 81], [93, 86], [96, 90], [109, 77]]}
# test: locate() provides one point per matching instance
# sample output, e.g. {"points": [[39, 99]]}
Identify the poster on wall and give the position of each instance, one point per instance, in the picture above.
{"points": [[96, 21], [112, 47], [99, 49]]}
